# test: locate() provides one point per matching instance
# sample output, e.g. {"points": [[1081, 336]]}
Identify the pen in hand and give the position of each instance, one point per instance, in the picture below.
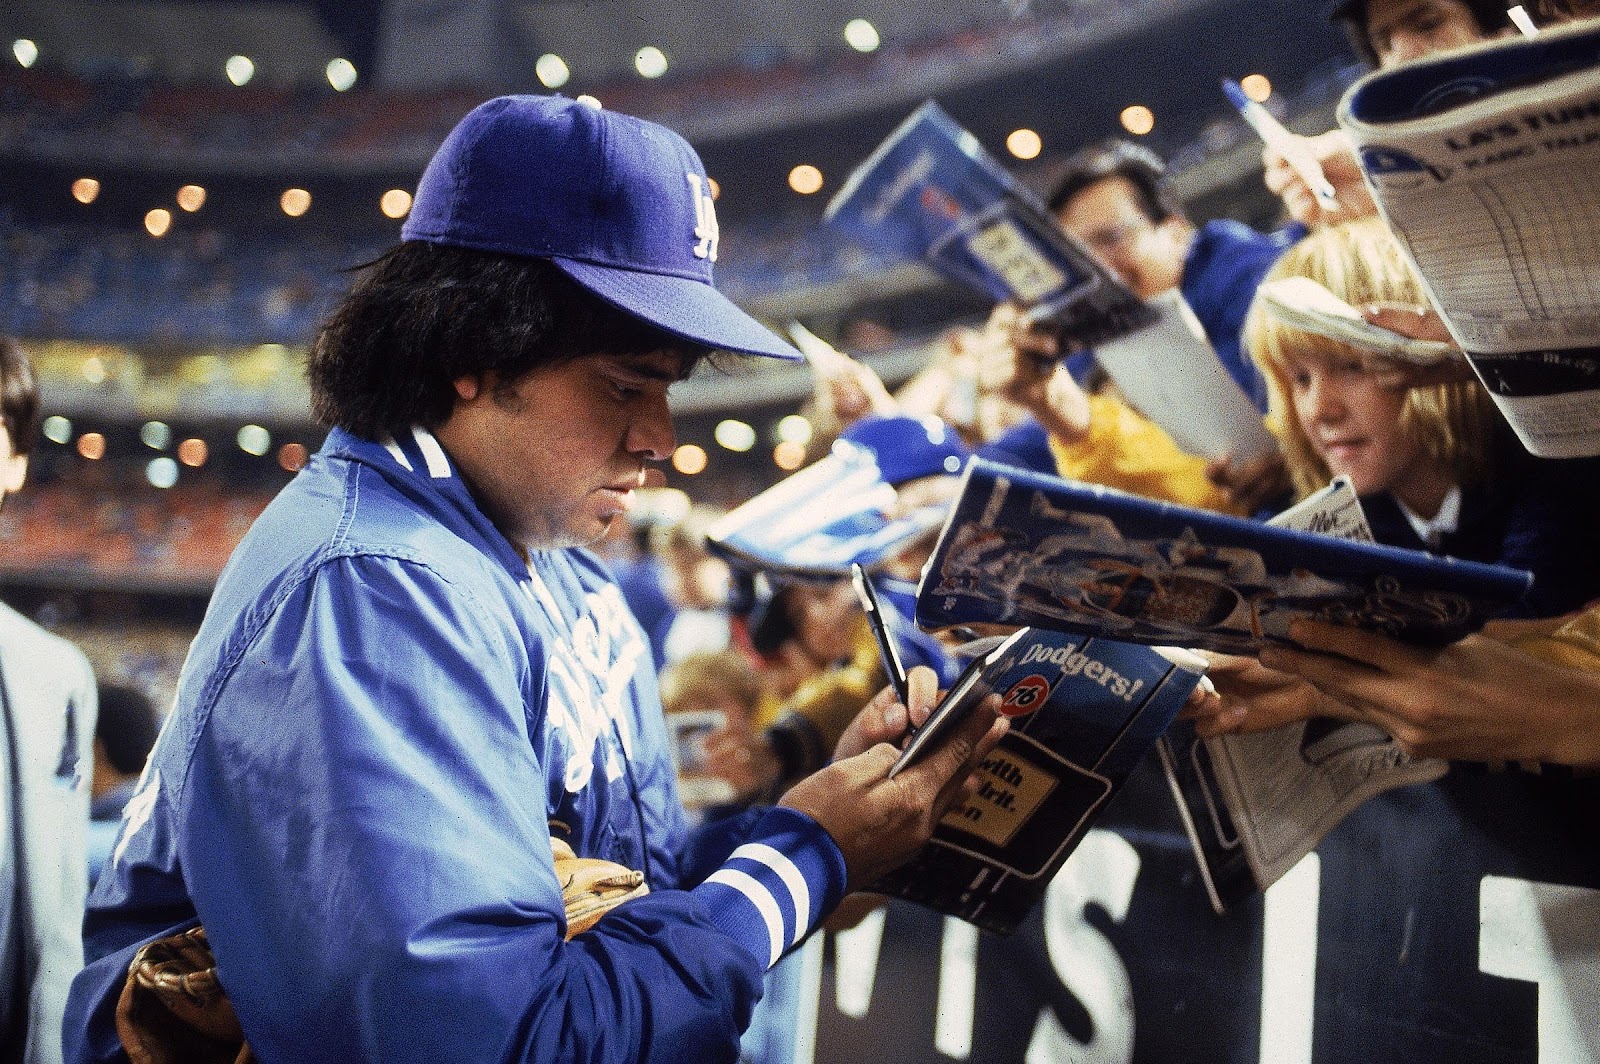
{"points": [[880, 631], [1285, 143]]}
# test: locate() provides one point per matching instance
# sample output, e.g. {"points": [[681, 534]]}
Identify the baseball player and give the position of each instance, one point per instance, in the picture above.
{"points": [[413, 681]]}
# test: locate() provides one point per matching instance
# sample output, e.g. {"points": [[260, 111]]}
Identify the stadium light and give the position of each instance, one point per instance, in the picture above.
{"points": [[862, 35], [193, 452], [689, 459], [239, 69], [1024, 144], [57, 429], [396, 203], [341, 74], [85, 190], [157, 435], [650, 62], [795, 428], [292, 457], [805, 179], [161, 472], [1256, 86], [551, 70], [1138, 119], [157, 222], [294, 202], [735, 435], [191, 198], [253, 439], [788, 455], [26, 51]]}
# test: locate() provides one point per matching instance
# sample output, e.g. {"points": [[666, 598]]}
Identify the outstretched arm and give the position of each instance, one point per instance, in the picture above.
{"points": [[1477, 699]]}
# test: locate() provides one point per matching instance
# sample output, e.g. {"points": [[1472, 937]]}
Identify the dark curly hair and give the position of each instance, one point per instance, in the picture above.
{"points": [[1139, 166], [423, 315]]}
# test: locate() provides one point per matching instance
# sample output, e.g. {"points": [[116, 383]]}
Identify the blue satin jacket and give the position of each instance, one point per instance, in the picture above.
{"points": [[385, 715]]}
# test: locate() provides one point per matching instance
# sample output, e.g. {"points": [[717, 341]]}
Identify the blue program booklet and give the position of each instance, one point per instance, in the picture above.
{"points": [[1083, 713], [1024, 548], [931, 193]]}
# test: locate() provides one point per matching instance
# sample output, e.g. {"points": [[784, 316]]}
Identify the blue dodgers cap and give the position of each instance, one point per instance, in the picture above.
{"points": [[620, 205], [909, 447]]}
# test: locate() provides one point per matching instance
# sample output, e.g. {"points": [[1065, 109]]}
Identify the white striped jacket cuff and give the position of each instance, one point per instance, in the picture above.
{"points": [[775, 888]]}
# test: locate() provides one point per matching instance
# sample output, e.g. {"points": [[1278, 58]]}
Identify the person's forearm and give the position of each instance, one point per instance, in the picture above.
{"points": [[1063, 408]]}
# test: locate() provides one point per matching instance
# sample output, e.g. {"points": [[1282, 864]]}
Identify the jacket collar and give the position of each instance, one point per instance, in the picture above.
{"points": [[419, 466]]}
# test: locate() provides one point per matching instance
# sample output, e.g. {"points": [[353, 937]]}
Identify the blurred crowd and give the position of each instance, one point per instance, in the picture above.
{"points": [[245, 285]]}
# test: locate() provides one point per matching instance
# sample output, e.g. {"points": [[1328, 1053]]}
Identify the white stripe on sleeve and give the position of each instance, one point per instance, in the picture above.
{"points": [[799, 890], [760, 897]]}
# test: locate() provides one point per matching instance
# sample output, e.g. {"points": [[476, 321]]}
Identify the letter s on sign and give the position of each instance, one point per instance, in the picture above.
{"points": [[1102, 871]]}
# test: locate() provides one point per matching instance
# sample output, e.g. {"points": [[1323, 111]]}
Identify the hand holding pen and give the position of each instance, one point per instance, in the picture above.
{"points": [[1285, 143], [1335, 155]]}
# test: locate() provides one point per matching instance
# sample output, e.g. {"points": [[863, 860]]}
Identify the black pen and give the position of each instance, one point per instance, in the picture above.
{"points": [[880, 631]]}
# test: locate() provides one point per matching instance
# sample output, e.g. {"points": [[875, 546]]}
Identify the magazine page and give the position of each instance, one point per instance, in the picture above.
{"points": [[1025, 548], [1083, 713], [1486, 163], [1170, 373], [930, 192], [1332, 511], [1254, 805]]}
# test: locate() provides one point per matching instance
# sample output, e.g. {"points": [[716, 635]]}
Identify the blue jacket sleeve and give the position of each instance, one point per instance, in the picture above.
{"points": [[364, 834]]}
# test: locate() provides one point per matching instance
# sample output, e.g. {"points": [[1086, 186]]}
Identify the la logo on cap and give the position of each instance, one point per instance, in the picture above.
{"points": [[705, 218]]}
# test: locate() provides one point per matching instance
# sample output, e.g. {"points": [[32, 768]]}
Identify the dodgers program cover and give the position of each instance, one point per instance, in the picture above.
{"points": [[1083, 713]]}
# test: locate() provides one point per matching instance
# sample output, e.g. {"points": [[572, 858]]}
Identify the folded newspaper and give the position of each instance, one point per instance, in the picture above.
{"points": [[1486, 163], [1254, 805], [931, 193], [1084, 712]]}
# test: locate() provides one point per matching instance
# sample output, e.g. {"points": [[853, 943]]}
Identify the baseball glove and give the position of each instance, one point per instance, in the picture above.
{"points": [[174, 1010], [590, 887]]}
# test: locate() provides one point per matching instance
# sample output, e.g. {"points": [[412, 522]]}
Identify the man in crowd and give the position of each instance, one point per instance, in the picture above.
{"points": [[1385, 33], [1115, 198], [412, 681], [47, 723]]}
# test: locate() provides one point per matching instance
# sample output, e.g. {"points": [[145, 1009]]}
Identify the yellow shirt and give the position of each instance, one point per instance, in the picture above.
{"points": [[1124, 449]]}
